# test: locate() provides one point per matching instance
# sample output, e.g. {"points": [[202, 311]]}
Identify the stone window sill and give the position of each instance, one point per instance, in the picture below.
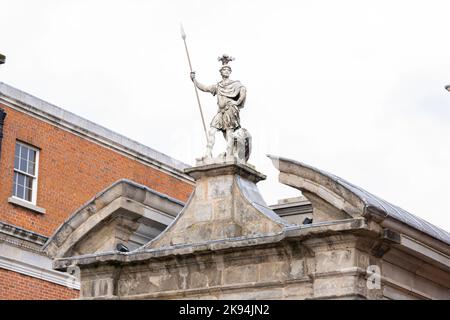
{"points": [[25, 204]]}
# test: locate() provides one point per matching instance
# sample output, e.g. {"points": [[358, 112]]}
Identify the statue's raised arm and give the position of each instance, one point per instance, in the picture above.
{"points": [[212, 89]]}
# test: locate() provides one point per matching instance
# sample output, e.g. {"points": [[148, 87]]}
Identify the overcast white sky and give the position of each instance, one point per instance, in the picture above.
{"points": [[355, 88]]}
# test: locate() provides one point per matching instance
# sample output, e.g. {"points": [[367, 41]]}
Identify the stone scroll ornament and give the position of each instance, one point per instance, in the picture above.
{"points": [[231, 95]]}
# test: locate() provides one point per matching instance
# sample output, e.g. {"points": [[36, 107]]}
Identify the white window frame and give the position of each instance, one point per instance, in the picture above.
{"points": [[34, 178]]}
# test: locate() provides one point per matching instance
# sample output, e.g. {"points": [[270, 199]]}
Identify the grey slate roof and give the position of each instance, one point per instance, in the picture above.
{"points": [[389, 209]]}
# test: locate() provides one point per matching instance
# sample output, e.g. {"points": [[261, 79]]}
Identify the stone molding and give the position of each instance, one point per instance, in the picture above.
{"points": [[227, 167], [20, 234], [290, 233], [34, 265]]}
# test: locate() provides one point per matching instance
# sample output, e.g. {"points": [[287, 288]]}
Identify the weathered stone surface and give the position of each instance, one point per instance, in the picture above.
{"points": [[334, 260], [339, 285], [99, 282], [222, 210], [219, 187], [241, 274], [203, 212], [223, 206], [298, 291], [273, 271], [297, 269]]}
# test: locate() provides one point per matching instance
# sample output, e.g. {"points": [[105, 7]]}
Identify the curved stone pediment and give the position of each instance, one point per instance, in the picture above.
{"points": [[325, 189], [125, 213]]}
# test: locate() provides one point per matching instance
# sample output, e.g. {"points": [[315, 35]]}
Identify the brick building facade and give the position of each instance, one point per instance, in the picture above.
{"points": [[51, 163]]}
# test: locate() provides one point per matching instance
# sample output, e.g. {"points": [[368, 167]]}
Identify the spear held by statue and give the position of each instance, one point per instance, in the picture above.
{"points": [[183, 35]]}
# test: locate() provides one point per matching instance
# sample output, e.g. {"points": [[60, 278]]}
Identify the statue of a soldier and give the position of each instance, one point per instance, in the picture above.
{"points": [[231, 96]]}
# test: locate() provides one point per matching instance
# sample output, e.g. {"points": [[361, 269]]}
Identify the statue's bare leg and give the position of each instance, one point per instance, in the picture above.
{"points": [[230, 142], [211, 140]]}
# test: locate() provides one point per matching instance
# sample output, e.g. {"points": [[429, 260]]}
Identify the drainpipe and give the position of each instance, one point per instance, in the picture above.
{"points": [[2, 120], [2, 112]]}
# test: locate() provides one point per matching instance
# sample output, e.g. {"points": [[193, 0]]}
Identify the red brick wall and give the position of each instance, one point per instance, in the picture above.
{"points": [[16, 286], [71, 171]]}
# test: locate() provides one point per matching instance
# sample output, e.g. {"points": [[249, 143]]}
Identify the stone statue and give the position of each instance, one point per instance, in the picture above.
{"points": [[231, 95]]}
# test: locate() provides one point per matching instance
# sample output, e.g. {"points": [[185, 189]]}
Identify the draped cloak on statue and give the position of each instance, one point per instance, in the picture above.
{"points": [[227, 116]]}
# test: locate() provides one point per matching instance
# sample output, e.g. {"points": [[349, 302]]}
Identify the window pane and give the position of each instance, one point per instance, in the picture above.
{"points": [[31, 155], [20, 191], [29, 182], [28, 194], [25, 152], [31, 168], [21, 179], [23, 165]]}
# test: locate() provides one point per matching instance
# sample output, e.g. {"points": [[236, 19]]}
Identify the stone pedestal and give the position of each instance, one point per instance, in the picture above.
{"points": [[226, 204]]}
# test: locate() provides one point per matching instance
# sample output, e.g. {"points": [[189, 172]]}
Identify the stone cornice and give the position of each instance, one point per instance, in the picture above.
{"points": [[228, 167], [33, 264], [60, 278], [289, 233], [21, 234]]}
